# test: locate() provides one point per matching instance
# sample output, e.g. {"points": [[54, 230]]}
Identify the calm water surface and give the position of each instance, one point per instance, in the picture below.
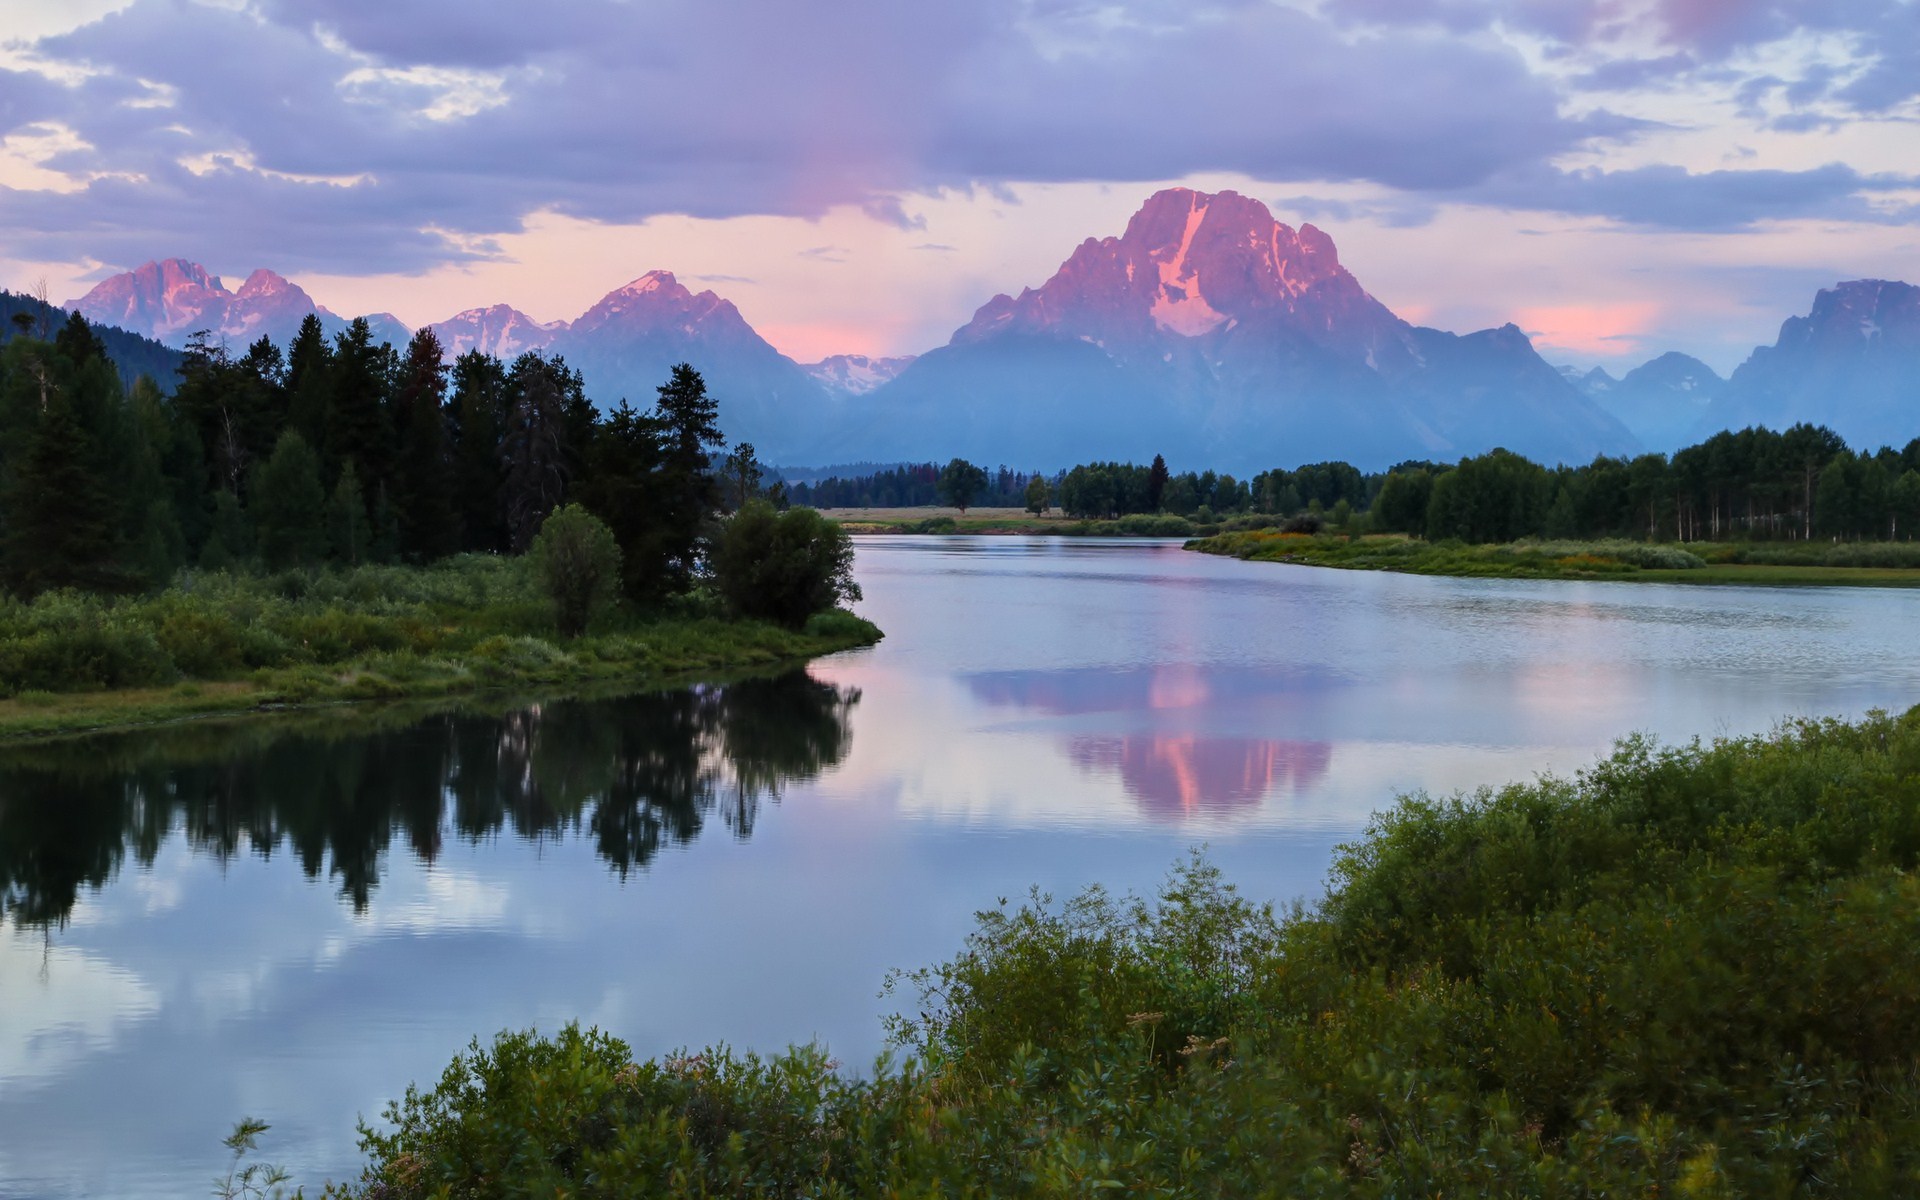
{"points": [[294, 919]]}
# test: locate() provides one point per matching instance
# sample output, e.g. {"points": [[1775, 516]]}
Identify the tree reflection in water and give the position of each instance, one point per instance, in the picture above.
{"points": [[637, 773]]}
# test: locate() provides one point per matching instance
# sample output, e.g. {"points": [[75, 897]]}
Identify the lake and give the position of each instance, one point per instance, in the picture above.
{"points": [[294, 917]]}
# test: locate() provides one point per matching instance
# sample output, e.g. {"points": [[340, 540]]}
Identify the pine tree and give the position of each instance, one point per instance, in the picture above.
{"points": [[421, 481], [358, 424], [309, 363], [479, 419], [347, 519], [688, 419], [60, 527], [289, 509], [229, 541], [538, 460]]}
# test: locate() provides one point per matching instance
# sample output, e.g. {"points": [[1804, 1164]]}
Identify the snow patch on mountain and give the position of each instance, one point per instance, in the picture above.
{"points": [[855, 374], [1179, 307]]}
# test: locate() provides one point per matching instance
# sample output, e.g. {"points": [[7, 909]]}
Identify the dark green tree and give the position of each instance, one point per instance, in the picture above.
{"points": [[308, 381], [689, 423], [358, 422], [539, 448], [1157, 477], [288, 506], [479, 418], [60, 514], [960, 482], [348, 534], [422, 480], [783, 566]]}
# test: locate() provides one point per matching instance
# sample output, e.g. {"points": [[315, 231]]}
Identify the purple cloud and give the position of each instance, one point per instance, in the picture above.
{"points": [[355, 136]]}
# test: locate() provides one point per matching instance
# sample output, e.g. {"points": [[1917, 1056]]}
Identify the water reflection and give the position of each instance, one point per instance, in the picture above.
{"points": [[1178, 778], [635, 774], [1180, 766]]}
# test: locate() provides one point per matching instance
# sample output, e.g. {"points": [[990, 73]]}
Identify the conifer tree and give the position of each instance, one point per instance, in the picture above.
{"points": [[60, 526], [421, 481], [309, 363], [357, 420], [479, 419], [229, 541], [288, 506], [347, 519], [539, 462]]}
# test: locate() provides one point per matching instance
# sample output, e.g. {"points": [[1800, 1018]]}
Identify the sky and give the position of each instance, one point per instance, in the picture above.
{"points": [[1618, 177]]}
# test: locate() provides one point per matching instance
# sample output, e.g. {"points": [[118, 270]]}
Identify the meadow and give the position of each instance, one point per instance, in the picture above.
{"points": [[220, 641], [1883, 564]]}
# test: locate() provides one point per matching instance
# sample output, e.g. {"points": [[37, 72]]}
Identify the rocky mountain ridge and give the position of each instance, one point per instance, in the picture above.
{"points": [[1207, 331]]}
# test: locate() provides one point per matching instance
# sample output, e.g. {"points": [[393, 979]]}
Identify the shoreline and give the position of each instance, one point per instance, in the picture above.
{"points": [[1588, 562], [680, 651]]}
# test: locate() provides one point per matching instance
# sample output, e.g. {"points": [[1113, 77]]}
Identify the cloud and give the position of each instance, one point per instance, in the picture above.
{"points": [[354, 136], [455, 122], [1668, 197]]}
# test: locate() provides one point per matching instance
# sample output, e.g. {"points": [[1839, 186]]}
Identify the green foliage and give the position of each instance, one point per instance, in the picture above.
{"points": [[1039, 497], [578, 564], [961, 482], [1689, 971], [289, 508], [783, 566]]}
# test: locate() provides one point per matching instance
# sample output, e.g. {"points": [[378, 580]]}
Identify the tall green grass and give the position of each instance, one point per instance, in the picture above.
{"points": [[1690, 972], [476, 621]]}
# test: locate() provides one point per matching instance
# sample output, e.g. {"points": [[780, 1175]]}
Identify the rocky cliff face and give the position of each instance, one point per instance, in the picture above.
{"points": [[172, 300], [1852, 363]]}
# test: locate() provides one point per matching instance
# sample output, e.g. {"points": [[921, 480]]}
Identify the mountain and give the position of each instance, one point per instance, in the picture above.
{"points": [[628, 343], [506, 333], [1662, 401], [1216, 335], [855, 374], [1852, 363], [170, 301], [132, 354]]}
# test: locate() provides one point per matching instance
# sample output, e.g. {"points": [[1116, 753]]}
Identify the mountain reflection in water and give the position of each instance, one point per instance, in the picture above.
{"points": [[1174, 777], [636, 774], [1175, 771]]}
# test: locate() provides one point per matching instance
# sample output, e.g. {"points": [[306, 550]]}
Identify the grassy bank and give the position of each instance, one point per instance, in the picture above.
{"points": [[1009, 521], [1689, 972], [1872, 564], [219, 643]]}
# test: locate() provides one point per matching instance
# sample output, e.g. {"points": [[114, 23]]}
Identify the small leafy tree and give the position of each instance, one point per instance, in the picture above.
{"points": [[578, 564], [783, 566], [1037, 498], [960, 482]]}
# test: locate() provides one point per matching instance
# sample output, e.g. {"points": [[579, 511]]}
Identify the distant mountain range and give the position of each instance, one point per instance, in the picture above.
{"points": [[1207, 331]]}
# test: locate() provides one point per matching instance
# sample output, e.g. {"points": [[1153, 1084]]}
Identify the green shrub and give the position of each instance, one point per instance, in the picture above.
{"points": [[578, 564], [783, 566]]}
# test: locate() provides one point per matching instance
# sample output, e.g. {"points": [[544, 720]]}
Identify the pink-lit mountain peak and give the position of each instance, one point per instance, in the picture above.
{"points": [[1189, 264], [658, 299]]}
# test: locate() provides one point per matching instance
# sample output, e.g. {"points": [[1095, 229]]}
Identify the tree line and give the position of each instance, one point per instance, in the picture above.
{"points": [[339, 451], [915, 485], [1754, 484]]}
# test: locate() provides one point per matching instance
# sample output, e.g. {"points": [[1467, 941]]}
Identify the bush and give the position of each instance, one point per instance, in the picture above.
{"points": [[783, 566], [578, 563]]}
